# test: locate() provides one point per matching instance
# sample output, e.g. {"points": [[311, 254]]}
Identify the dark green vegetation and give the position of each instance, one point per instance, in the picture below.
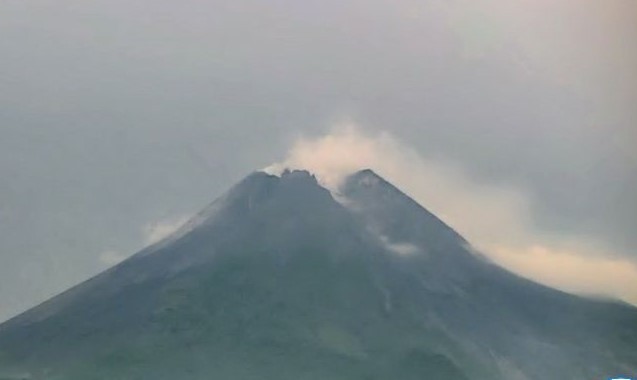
{"points": [[277, 280]]}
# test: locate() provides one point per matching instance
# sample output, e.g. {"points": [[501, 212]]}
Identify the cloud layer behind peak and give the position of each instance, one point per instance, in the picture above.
{"points": [[497, 220]]}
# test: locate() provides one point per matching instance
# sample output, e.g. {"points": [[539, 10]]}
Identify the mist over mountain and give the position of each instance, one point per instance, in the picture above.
{"points": [[281, 279]]}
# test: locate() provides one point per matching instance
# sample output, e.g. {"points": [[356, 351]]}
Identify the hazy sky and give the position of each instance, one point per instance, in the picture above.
{"points": [[118, 119]]}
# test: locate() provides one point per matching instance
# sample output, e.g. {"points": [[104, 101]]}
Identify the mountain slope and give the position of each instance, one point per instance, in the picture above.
{"points": [[529, 330], [277, 280]]}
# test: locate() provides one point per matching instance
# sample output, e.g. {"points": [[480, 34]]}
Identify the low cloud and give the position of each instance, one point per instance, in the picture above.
{"points": [[571, 271], [157, 231], [151, 233], [496, 219], [400, 248], [111, 257]]}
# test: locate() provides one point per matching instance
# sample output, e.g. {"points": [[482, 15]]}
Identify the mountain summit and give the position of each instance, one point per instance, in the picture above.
{"points": [[278, 280]]}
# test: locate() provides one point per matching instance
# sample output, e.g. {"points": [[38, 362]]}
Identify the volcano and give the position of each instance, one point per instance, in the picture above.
{"points": [[281, 279]]}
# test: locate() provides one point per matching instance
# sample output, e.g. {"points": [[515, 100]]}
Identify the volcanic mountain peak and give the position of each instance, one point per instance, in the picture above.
{"points": [[366, 177], [278, 280]]}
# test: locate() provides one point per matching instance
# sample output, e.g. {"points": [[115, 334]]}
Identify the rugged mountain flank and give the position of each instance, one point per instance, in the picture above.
{"points": [[278, 280]]}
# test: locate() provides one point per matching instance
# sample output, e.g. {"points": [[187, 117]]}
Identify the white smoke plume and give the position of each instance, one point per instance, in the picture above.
{"points": [[495, 219]]}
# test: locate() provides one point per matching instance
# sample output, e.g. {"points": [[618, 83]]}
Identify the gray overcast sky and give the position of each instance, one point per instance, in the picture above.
{"points": [[118, 115]]}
